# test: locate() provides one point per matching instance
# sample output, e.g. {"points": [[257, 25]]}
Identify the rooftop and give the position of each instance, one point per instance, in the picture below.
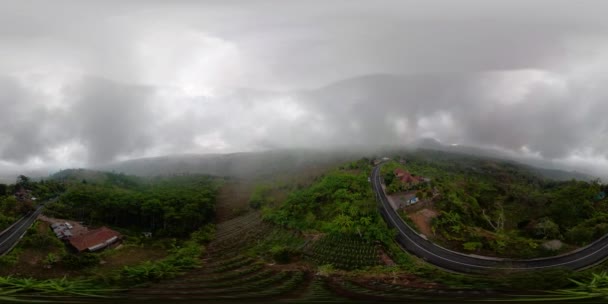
{"points": [[94, 238]]}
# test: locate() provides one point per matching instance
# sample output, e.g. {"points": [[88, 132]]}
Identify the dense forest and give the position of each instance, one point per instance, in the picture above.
{"points": [[505, 208], [167, 206], [339, 202], [20, 198]]}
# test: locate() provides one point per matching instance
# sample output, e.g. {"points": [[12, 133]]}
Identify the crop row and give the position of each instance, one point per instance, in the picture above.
{"points": [[238, 273], [260, 284], [236, 229], [295, 280], [353, 260], [238, 240], [276, 284], [320, 292], [371, 251], [343, 252], [239, 221], [345, 240], [231, 266], [224, 276], [240, 280], [225, 261]]}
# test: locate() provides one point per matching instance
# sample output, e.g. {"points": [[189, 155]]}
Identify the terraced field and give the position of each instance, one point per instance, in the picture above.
{"points": [[346, 253], [230, 274], [379, 291], [237, 234]]}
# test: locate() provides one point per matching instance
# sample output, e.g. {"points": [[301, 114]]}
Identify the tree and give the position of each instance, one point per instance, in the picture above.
{"points": [[497, 224], [153, 209], [579, 235], [8, 205], [23, 181], [260, 196], [24, 207], [548, 229], [388, 178]]}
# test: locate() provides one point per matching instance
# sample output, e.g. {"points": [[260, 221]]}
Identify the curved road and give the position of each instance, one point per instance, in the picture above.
{"points": [[12, 235], [418, 245]]}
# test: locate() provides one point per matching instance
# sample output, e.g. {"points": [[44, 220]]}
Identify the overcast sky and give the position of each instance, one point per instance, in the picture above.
{"points": [[85, 83]]}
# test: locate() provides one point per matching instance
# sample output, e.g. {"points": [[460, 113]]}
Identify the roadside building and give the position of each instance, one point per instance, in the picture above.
{"points": [[406, 178], [23, 195], [62, 230], [95, 240]]}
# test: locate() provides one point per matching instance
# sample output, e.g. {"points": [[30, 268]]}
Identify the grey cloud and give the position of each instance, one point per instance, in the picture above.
{"points": [[107, 117], [133, 76], [112, 118], [21, 119]]}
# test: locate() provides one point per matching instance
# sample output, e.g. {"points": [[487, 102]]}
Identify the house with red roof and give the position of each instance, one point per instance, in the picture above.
{"points": [[95, 240], [407, 178]]}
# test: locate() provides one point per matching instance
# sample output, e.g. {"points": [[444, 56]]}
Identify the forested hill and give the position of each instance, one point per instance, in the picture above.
{"points": [[560, 175], [277, 162], [242, 165], [167, 206], [497, 207], [545, 168]]}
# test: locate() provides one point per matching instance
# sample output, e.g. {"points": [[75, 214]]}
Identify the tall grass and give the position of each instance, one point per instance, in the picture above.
{"points": [[594, 288]]}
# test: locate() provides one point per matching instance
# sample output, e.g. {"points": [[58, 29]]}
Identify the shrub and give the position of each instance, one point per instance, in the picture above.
{"points": [[148, 271], [51, 259], [325, 270], [10, 259], [472, 246], [579, 235], [204, 235], [180, 259], [280, 254]]}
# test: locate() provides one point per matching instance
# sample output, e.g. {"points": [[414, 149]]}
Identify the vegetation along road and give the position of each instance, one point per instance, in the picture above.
{"points": [[11, 236], [420, 246]]}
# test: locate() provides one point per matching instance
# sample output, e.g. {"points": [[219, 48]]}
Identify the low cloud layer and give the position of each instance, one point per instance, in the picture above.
{"points": [[87, 84]]}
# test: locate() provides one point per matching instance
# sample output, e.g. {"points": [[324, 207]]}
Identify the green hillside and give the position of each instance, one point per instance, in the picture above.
{"points": [[314, 236]]}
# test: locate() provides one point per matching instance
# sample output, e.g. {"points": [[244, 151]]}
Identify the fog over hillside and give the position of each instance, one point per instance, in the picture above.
{"points": [[253, 165], [216, 77]]}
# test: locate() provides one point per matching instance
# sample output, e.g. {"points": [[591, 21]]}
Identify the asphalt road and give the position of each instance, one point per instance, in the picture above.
{"points": [[418, 245], [10, 237]]}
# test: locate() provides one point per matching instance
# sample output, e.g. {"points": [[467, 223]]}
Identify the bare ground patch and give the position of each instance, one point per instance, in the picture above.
{"points": [[422, 218]]}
